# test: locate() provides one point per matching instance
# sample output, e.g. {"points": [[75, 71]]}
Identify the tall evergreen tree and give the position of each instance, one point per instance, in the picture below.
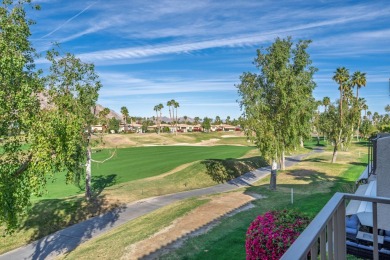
{"points": [[278, 103]]}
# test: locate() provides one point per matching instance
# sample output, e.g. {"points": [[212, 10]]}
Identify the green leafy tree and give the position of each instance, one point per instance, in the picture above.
{"points": [[73, 90], [114, 125], [22, 170], [125, 116], [277, 103], [367, 129], [145, 124], [206, 124]]}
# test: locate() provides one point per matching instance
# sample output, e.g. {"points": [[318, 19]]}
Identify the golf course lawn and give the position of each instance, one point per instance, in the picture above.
{"points": [[129, 164]]}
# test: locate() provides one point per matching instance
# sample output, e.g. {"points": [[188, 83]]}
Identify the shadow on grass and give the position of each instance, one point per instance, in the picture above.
{"points": [[308, 175], [225, 170], [363, 143], [315, 159], [228, 237], [48, 216], [99, 183], [359, 163]]}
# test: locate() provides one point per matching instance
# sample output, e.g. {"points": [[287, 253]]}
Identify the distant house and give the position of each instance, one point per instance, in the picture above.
{"points": [[224, 128], [133, 127], [228, 128], [97, 128], [197, 128]]}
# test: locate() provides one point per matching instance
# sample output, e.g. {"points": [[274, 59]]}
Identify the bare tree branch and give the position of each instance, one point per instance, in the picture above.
{"points": [[105, 160]]}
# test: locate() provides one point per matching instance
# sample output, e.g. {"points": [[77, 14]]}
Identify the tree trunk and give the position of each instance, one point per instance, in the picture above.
{"points": [[158, 123], [88, 193], [301, 141], [272, 184], [318, 139], [357, 134], [283, 162], [126, 128], [334, 153], [170, 117], [176, 123]]}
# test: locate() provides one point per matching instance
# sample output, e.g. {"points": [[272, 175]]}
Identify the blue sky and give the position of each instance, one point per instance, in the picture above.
{"points": [[148, 52]]}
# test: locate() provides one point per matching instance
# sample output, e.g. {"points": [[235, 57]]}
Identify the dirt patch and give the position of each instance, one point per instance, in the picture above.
{"points": [[197, 222]]}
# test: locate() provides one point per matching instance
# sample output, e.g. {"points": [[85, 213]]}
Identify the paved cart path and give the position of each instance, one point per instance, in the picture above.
{"points": [[69, 238]]}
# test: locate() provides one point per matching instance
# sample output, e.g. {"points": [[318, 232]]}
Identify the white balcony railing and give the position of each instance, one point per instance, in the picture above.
{"points": [[325, 237]]}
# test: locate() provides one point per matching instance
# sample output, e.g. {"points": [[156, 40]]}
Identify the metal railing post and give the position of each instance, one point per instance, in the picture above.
{"points": [[375, 229], [330, 238], [329, 225]]}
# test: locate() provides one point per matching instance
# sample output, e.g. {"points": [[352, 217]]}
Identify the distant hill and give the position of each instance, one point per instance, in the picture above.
{"points": [[110, 115], [45, 104]]}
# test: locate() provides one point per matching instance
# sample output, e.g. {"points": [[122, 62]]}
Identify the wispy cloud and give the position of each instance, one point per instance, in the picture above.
{"points": [[118, 84], [68, 21], [240, 41]]}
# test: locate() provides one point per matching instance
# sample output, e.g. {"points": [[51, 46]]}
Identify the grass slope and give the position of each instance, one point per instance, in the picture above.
{"points": [[118, 240], [314, 181], [53, 212], [197, 175], [136, 163]]}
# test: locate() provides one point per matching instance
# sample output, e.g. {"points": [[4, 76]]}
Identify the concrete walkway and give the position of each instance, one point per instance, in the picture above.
{"points": [[69, 238]]}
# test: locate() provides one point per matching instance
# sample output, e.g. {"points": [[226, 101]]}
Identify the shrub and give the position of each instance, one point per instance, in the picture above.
{"points": [[271, 234]]}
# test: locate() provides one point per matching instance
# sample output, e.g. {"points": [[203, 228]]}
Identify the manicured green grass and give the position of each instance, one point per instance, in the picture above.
{"points": [[197, 175], [320, 181], [117, 240], [136, 163], [141, 162]]}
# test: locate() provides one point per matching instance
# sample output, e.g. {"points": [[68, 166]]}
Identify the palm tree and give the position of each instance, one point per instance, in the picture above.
{"points": [[176, 105], [358, 80], [365, 107], [185, 119], [103, 118], [217, 120], [157, 121], [158, 108], [387, 108], [341, 76], [369, 115], [196, 120], [375, 117], [326, 102], [169, 105], [361, 105], [125, 115], [227, 121]]}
